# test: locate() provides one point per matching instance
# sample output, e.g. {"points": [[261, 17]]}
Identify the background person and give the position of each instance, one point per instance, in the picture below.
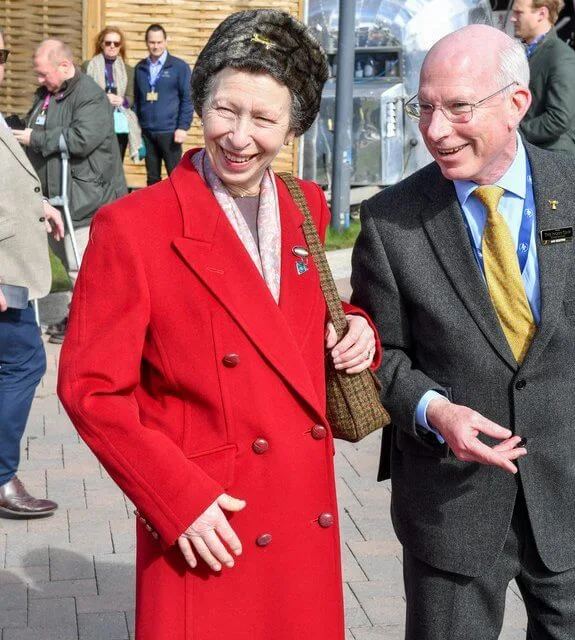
{"points": [[194, 361], [109, 69], [550, 120], [24, 220], [476, 307], [163, 103], [71, 104]]}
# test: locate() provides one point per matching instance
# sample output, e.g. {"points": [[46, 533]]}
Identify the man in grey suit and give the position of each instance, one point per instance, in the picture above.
{"points": [[24, 220], [473, 291]]}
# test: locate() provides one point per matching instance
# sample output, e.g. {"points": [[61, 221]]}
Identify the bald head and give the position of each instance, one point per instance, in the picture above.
{"points": [[53, 64], [473, 92], [478, 50]]}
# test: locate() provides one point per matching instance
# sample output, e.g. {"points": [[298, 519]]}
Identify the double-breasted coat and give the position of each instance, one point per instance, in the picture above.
{"points": [[187, 380]]}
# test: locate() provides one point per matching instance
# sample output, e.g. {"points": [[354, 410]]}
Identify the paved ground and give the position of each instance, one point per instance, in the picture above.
{"points": [[71, 576]]}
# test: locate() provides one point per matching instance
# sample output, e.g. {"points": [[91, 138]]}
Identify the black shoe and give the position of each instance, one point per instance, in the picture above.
{"points": [[58, 327], [16, 502]]}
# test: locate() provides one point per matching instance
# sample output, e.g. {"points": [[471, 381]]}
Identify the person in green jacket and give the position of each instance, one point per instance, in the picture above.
{"points": [[69, 105], [550, 120]]}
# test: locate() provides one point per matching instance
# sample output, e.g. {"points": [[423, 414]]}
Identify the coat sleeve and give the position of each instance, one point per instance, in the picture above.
{"points": [[376, 291], [88, 128], [100, 371], [557, 114], [186, 110], [322, 223]]}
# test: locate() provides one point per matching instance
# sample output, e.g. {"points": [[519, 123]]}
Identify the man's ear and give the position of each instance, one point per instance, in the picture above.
{"points": [[521, 100]]}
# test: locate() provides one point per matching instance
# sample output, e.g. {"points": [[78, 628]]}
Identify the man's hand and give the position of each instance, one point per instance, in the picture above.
{"points": [[23, 136], [356, 349], [206, 534], [460, 426], [179, 136], [53, 221], [3, 305]]}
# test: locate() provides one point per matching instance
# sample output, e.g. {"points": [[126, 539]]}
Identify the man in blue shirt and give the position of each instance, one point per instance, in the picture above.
{"points": [[163, 103], [468, 269]]}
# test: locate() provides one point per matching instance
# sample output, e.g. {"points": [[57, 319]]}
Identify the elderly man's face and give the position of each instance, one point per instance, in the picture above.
{"points": [[49, 75], [483, 148]]}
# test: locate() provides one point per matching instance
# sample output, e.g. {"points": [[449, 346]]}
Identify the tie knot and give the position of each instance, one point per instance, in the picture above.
{"points": [[489, 195]]}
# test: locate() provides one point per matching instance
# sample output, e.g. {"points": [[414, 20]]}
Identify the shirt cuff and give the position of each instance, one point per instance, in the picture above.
{"points": [[421, 413]]}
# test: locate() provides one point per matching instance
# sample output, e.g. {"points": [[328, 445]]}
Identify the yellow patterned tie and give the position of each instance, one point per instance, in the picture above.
{"points": [[503, 275]]}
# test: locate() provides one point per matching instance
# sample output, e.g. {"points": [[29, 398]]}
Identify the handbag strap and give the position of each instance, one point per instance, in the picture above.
{"points": [[336, 313]]}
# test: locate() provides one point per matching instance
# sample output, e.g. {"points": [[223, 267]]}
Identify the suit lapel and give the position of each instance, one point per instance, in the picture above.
{"points": [[549, 185], [443, 222], [213, 251]]}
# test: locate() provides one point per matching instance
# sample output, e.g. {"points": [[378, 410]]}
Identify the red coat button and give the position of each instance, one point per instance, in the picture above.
{"points": [[325, 520], [260, 445], [264, 539], [231, 360], [318, 432]]}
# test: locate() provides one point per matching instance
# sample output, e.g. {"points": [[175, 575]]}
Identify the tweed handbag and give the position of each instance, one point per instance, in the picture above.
{"points": [[354, 407]]}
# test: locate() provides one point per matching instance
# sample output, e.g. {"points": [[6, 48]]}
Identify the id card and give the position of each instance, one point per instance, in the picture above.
{"points": [[41, 120], [151, 96]]}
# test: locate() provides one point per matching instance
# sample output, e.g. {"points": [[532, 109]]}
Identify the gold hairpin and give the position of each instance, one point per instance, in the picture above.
{"points": [[262, 40]]}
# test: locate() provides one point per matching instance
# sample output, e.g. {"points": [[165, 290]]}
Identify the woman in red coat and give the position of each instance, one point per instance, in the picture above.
{"points": [[194, 360]]}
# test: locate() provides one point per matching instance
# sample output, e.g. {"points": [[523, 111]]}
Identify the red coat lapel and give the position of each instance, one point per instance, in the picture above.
{"points": [[211, 248]]}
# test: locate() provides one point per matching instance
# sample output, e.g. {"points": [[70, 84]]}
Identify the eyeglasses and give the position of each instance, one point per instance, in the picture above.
{"points": [[4, 55], [112, 43], [456, 112]]}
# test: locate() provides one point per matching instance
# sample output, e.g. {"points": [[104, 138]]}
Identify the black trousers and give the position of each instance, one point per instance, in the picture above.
{"points": [[122, 143], [449, 606], [160, 146]]}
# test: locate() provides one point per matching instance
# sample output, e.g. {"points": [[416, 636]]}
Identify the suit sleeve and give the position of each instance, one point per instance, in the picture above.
{"points": [[99, 372], [558, 114], [376, 290]]}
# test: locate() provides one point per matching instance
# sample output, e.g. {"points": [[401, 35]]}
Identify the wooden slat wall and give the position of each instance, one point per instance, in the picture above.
{"points": [[189, 24], [25, 24]]}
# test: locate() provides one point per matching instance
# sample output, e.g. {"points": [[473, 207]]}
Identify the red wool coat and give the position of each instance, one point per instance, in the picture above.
{"points": [[187, 380]]}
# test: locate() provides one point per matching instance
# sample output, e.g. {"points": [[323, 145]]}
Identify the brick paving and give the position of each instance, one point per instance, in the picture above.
{"points": [[71, 576]]}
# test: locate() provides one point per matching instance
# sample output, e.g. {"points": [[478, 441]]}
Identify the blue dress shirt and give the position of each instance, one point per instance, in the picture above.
{"points": [[155, 68], [514, 181]]}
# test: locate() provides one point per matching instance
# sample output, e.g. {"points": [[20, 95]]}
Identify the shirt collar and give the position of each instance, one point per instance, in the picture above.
{"points": [[513, 180], [160, 61], [530, 48]]}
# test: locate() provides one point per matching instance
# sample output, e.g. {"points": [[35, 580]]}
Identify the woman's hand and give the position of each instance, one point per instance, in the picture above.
{"points": [[115, 101], [206, 534], [356, 349]]}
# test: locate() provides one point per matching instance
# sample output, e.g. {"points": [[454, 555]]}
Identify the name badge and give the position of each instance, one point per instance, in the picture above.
{"points": [[152, 96], [555, 236], [41, 120]]}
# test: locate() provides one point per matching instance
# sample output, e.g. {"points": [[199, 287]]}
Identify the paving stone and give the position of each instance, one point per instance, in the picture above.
{"points": [[95, 626], [12, 596], [63, 589], [55, 615], [387, 632], [115, 573], [123, 536], [13, 618], [66, 564], [382, 600], [92, 537]]}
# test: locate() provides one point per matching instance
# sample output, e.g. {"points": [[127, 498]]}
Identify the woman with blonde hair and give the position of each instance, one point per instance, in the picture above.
{"points": [[109, 69]]}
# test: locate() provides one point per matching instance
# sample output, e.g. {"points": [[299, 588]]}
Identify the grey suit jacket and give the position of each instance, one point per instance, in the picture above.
{"points": [[415, 273], [23, 239]]}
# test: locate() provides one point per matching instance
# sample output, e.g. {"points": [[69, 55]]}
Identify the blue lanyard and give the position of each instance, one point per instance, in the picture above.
{"points": [[525, 230], [156, 78], [109, 77]]}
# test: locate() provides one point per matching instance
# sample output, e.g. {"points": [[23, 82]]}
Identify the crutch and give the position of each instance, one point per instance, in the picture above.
{"points": [[63, 200]]}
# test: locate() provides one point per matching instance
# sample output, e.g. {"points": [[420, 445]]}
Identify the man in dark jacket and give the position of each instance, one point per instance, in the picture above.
{"points": [[71, 106], [550, 121], [163, 103]]}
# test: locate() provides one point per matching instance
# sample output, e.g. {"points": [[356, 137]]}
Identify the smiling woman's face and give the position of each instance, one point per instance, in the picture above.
{"points": [[246, 120]]}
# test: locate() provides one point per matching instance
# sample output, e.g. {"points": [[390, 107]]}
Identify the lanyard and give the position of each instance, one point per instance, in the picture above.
{"points": [[153, 82], [46, 103], [109, 77], [525, 230]]}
